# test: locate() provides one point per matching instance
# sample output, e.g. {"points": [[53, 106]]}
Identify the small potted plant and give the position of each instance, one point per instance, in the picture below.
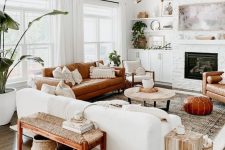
{"points": [[8, 62], [139, 39], [115, 58]]}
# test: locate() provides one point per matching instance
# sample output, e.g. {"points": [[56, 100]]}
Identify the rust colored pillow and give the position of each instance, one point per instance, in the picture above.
{"points": [[214, 79], [198, 105]]}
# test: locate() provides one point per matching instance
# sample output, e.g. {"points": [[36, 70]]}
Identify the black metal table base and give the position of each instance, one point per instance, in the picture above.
{"points": [[166, 108]]}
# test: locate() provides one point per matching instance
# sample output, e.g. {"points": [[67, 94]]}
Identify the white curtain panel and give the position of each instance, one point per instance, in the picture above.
{"points": [[123, 29], [68, 32]]}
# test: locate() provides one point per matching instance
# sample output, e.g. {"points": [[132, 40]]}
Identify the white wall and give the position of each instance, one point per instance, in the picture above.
{"points": [[153, 7]]}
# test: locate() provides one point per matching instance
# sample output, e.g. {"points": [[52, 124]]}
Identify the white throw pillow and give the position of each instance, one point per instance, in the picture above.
{"points": [[48, 89], [57, 73], [140, 71], [161, 114], [68, 76], [112, 103], [100, 73], [77, 76], [64, 90], [131, 66]]}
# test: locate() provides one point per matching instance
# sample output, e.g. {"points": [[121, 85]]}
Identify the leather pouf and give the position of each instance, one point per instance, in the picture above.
{"points": [[198, 105]]}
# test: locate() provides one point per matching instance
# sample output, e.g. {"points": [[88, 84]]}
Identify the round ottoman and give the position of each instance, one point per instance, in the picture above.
{"points": [[198, 105]]}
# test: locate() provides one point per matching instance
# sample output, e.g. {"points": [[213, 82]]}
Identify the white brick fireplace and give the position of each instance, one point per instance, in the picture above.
{"points": [[178, 80]]}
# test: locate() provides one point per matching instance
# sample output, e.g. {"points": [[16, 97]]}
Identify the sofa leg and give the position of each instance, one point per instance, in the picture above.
{"points": [[118, 91]]}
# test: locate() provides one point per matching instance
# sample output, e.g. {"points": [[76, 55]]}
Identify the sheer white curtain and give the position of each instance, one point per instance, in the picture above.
{"points": [[123, 28], [68, 32]]}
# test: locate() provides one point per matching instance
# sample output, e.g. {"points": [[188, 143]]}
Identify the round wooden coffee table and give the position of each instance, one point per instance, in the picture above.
{"points": [[161, 95]]}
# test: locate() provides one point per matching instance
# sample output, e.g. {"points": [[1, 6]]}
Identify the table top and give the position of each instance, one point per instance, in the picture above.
{"points": [[162, 94], [53, 125], [189, 135]]}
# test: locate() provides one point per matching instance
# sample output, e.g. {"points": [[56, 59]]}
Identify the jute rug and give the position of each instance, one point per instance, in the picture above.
{"points": [[210, 124]]}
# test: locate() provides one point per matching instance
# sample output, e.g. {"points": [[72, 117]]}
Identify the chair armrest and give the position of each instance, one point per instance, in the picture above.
{"points": [[205, 76], [153, 74], [120, 72]]}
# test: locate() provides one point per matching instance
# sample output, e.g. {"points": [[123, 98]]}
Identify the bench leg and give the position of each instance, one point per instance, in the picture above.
{"points": [[103, 143], [19, 136]]}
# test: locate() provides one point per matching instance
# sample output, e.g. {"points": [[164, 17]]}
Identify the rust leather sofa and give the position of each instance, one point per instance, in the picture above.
{"points": [[212, 87], [89, 88]]}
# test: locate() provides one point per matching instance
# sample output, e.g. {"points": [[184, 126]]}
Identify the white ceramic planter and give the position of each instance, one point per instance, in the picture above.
{"points": [[148, 83], [7, 106]]}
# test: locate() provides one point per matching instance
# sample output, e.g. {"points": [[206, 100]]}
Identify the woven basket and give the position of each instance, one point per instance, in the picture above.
{"points": [[42, 143]]}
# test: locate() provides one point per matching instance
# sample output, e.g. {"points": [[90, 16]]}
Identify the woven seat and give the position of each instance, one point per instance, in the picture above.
{"points": [[53, 125]]}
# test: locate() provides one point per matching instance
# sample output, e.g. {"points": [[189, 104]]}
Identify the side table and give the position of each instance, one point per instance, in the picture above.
{"points": [[51, 127], [189, 141]]}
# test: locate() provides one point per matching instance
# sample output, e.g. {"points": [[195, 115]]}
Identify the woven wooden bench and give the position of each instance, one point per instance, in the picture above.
{"points": [[51, 127]]}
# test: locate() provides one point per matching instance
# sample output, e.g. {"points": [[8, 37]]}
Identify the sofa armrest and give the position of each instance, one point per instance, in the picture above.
{"points": [[47, 72], [39, 81], [120, 72], [205, 76]]}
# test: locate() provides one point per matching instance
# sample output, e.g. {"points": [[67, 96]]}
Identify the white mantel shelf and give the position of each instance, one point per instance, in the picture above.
{"points": [[200, 42]]}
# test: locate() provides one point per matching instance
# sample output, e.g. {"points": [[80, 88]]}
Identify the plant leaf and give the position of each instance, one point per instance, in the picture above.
{"points": [[5, 63], [30, 57], [7, 22], [54, 12]]}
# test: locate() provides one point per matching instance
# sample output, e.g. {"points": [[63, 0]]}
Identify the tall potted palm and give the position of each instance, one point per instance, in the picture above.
{"points": [[8, 62]]}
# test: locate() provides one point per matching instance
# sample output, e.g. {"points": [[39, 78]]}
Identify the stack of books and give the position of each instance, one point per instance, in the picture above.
{"points": [[78, 126]]}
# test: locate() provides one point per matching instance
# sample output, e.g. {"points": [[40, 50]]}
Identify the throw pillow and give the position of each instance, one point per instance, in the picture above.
{"points": [[131, 66], [67, 75], [57, 73], [64, 90], [48, 89], [214, 79], [140, 71], [77, 76], [161, 114], [223, 79], [100, 73]]}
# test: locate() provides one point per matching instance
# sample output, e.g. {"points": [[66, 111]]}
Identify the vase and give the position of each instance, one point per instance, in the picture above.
{"points": [[142, 42], [148, 83], [42, 143], [7, 105]]}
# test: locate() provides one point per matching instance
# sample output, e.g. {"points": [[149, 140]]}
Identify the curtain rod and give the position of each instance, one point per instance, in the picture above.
{"points": [[110, 1]]}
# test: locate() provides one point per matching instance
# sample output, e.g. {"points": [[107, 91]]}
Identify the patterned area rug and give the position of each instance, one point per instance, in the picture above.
{"points": [[210, 124]]}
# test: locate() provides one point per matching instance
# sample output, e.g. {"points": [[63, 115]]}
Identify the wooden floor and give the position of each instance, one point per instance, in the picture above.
{"points": [[8, 137]]}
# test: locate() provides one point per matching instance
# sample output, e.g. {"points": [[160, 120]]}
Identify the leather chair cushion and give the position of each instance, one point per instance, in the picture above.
{"points": [[93, 85], [138, 78], [198, 105], [216, 88], [214, 79]]}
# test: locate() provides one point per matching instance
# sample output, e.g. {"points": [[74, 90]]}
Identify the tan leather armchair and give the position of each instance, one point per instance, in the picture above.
{"points": [[212, 87]]}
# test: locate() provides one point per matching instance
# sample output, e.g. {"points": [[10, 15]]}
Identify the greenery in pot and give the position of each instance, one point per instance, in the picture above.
{"points": [[139, 39], [7, 57], [115, 58]]}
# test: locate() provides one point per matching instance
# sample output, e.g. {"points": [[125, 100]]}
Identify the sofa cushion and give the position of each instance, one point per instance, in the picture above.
{"points": [[84, 69], [216, 88], [93, 85], [214, 79]]}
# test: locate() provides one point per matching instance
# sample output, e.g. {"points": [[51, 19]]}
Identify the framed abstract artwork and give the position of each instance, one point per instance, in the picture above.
{"points": [[203, 17], [167, 8]]}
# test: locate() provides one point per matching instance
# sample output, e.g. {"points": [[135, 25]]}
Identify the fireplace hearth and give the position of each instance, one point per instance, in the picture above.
{"points": [[197, 63]]}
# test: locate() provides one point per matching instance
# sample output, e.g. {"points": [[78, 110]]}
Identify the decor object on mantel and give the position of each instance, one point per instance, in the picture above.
{"points": [[8, 63], [115, 58], [139, 39], [202, 37], [167, 8], [142, 14], [198, 105]]}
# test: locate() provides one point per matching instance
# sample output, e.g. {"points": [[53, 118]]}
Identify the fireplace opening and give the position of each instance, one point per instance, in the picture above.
{"points": [[197, 63]]}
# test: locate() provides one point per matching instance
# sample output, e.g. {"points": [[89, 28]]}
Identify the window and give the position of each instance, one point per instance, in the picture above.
{"points": [[37, 41], [100, 27]]}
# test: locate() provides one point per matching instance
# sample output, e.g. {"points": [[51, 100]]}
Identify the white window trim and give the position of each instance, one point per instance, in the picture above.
{"points": [[24, 46]]}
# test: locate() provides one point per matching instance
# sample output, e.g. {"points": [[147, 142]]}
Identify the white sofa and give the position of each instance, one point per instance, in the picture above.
{"points": [[125, 130]]}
